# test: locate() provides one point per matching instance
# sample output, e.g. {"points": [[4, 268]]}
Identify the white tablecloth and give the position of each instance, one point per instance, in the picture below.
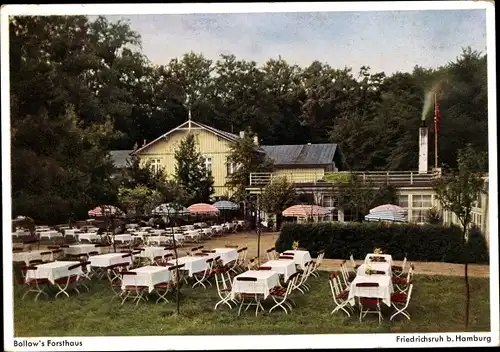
{"points": [[283, 267], [89, 236], [147, 276], [123, 238], [299, 257], [50, 234], [374, 266], [192, 264], [192, 234], [207, 231], [387, 257], [28, 256], [21, 233], [72, 232], [81, 249], [217, 228], [165, 239], [265, 281], [145, 228], [54, 271], [226, 254], [152, 252], [384, 290], [157, 232], [105, 260], [140, 234]]}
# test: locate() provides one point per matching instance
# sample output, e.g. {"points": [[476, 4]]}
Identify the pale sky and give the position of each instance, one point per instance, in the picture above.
{"points": [[386, 41]]}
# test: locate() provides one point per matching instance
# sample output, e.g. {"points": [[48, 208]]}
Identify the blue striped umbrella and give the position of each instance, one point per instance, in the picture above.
{"points": [[386, 216], [226, 205]]}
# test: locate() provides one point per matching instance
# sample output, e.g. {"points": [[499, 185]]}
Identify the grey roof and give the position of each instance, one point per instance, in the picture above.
{"points": [[304, 154], [119, 157]]}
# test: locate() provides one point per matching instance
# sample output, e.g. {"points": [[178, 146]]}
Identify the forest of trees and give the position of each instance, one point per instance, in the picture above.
{"points": [[80, 88]]}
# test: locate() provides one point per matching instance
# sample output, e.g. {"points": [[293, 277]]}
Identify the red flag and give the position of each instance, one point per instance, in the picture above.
{"points": [[437, 115]]}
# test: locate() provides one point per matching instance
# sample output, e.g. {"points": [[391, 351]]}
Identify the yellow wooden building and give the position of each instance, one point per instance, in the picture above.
{"points": [[306, 161]]}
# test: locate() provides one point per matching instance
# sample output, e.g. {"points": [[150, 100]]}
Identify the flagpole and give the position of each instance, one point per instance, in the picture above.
{"points": [[435, 133]]}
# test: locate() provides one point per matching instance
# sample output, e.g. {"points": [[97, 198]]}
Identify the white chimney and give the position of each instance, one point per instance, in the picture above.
{"points": [[242, 134], [256, 140], [423, 154]]}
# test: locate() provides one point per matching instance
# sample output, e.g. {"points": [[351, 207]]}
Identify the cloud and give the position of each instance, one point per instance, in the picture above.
{"points": [[386, 41]]}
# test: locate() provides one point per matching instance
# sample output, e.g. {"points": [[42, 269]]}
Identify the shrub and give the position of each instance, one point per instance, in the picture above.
{"points": [[431, 243]]}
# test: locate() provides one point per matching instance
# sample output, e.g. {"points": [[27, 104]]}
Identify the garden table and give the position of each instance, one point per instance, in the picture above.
{"points": [[207, 231], [379, 266], [282, 267], [89, 236], [227, 255], [266, 280], [105, 260], [152, 251], [26, 257], [50, 234], [299, 257], [147, 276], [81, 249], [387, 257], [192, 264], [72, 232], [21, 233], [54, 270], [123, 238], [383, 291]]}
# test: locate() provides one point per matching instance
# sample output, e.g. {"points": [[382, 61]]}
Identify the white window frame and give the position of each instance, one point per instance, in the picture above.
{"points": [[156, 165], [208, 162], [230, 169]]}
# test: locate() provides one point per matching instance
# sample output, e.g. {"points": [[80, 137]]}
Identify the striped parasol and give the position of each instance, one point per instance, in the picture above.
{"points": [[386, 216], [203, 208], [388, 207], [304, 211], [105, 210], [167, 209], [226, 205]]}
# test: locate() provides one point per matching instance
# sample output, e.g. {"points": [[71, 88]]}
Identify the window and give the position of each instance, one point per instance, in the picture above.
{"points": [[419, 216], [208, 163], [329, 202], [156, 165], [421, 201], [403, 201], [230, 168]]}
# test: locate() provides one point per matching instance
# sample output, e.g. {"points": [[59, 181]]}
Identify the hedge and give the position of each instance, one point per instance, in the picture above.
{"points": [[427, 243]]}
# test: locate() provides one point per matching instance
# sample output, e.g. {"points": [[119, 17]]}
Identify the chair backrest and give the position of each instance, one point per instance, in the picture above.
{"points": [[246, 278], [285, 257], [208, 251], [175, 267], [53, 247], [201, 254], [128, 255], [367, 284], [74, 266], [265, 268], [379, 272], [272, 249], [230, 246], [46, 253]]}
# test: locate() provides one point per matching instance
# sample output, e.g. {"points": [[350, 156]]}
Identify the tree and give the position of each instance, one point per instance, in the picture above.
{"points": [[138, 201], [355, 197], [434, 217], [245, 157], [191, 172], [457, 191], [277, 196]]}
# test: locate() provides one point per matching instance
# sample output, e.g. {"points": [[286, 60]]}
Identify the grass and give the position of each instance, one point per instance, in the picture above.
{"points": [[437, 306]]}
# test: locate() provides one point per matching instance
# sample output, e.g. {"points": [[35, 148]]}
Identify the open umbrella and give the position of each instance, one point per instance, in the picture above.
{"points": [[305, 211], [169, 209], [386, 216], [203, 208], [105, 210], [388, 207], [224, 205]]}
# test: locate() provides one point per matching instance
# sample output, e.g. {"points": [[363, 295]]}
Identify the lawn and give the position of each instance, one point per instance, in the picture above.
{"points": [[437, 306]]}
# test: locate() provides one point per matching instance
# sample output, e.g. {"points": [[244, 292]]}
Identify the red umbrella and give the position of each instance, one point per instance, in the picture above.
{"points": [[203, 208], [305, 211], [104, 210]]}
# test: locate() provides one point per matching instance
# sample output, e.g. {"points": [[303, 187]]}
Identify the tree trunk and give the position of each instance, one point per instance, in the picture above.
{"points": [[466, 277]]}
